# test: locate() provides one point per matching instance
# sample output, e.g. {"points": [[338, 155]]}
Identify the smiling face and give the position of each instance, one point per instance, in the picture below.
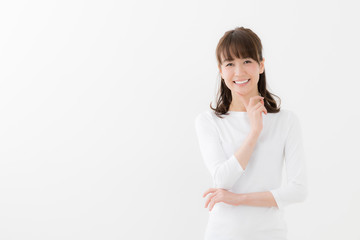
{"points": [[239, 58], [241, 75]]}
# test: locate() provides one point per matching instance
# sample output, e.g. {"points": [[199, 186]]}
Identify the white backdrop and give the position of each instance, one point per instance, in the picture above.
{"points": [[98, 101]]}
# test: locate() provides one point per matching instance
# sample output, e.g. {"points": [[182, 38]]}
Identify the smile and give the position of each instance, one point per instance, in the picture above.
{"points": [[241, 82]]}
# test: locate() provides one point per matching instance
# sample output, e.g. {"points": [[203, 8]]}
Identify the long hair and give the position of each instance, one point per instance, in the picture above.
{"points": [[241, 43]]}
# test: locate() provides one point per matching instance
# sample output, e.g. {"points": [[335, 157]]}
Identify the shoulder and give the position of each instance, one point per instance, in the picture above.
{"points": [[207, 120], [291, 121], [204, 117], [287, 115]]}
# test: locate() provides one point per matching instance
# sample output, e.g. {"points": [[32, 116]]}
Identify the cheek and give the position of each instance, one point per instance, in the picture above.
{"points": [[255, 70], [229, 83], [227, 74]]}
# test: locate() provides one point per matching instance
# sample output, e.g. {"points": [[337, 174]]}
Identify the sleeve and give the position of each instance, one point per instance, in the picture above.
{"points": [[295, 189], [224, 171]]}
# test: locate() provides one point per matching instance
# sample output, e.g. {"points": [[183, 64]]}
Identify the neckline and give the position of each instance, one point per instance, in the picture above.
{"points": [[237, 112], [242, 114]]}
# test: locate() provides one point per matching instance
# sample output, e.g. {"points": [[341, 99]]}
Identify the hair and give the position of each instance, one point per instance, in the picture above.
{"points": [[241, 43]]}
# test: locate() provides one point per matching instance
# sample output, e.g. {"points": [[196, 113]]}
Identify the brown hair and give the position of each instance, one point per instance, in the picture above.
{"points": [[243, 43]]}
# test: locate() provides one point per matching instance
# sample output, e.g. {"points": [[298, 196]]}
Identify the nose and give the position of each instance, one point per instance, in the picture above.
{"points": [[239, 70]]}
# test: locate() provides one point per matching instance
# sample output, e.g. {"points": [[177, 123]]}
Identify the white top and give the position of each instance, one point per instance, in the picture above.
{"points": [[279, 143]]}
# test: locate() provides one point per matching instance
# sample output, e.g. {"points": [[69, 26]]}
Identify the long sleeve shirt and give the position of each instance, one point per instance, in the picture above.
{"points": [[278, 145]]}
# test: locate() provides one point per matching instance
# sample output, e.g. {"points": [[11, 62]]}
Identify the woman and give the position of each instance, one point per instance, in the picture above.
{"points": [[245, 141]]}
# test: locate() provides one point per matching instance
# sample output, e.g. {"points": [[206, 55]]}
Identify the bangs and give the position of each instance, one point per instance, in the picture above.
{"points": [[237, 46]]}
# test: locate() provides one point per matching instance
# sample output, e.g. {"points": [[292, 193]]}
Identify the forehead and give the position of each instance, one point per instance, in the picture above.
{"points": [[232, 54], [238, 49]]}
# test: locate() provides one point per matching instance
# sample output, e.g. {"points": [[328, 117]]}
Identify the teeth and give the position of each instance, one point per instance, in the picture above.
{"points": [[240, 82]]}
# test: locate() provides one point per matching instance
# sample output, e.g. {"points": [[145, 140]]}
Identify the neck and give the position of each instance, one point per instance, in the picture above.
{"points": [[237, 103]]}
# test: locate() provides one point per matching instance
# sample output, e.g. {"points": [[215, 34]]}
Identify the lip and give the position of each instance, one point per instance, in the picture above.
{"points": [[242, 84]]}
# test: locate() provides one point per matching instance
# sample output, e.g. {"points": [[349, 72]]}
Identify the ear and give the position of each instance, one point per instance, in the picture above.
{"points": [[262, 66]]}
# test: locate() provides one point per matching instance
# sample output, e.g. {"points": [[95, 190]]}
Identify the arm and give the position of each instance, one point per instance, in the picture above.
{"points": [[260, 199], [244, 152], [224, 171], [295, 189]]}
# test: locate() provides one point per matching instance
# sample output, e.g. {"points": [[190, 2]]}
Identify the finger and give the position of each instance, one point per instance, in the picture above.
{"points": [[262, 109], [254, 100], [210, 190], [208, 200], [212, 203], [257, 106], [263, 103]]}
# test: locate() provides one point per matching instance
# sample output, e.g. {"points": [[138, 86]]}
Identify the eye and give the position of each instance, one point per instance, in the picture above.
{"points": [[247, 61], [228, 64]]}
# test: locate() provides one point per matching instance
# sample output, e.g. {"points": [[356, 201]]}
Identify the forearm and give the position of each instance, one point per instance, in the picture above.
{"points": [[244, 152], [259, 199]]}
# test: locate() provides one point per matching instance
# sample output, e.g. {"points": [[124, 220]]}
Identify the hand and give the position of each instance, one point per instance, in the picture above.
{"points": [[255, 108], [220, 195]]}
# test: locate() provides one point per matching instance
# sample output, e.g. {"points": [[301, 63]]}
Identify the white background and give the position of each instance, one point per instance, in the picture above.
{"points": [[98, 101]]}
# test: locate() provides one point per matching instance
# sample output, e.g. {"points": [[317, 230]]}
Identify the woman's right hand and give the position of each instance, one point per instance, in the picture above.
{"points": [[255, 108]]}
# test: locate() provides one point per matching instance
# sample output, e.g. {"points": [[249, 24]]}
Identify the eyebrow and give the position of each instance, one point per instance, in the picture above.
{"points": [[229, 60]]}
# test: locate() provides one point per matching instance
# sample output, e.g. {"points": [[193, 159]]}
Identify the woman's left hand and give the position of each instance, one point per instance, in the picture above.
{"points": [[221, 195]]}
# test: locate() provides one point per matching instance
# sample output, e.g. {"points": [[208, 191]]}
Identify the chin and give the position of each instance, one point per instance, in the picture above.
{"points": [[240, 92]]}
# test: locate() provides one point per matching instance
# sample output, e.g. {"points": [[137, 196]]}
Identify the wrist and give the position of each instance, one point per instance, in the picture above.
{"points": [[254, 133], [241, 199]]}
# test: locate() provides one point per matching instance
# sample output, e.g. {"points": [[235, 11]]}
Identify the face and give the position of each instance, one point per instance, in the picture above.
{"points": [[241, 70]]}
